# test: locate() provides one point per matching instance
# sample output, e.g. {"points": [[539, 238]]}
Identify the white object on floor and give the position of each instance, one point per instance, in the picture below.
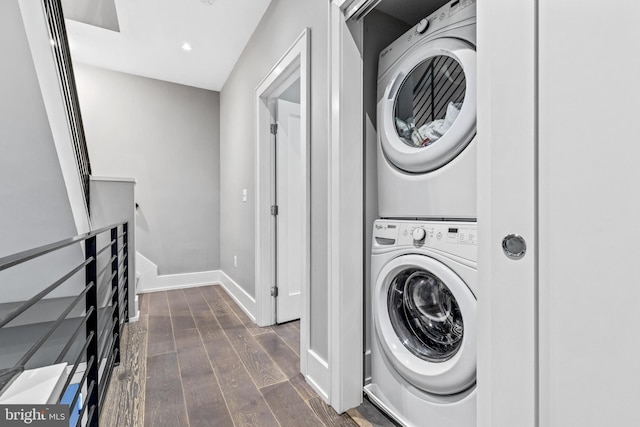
{"points": [[40, 386]]}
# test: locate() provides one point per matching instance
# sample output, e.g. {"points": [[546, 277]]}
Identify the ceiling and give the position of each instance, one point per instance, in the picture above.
{"points": [[153, 32]]}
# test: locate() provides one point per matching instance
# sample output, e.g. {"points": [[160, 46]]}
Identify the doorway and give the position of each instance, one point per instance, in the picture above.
{"points": [[283, 193]]}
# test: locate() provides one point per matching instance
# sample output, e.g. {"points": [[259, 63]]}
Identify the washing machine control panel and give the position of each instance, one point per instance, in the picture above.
{"points": [[459, 238]]}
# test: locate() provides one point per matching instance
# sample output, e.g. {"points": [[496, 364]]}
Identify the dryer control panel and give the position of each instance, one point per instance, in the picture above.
{"points": [[455, 14], [457, 238]]}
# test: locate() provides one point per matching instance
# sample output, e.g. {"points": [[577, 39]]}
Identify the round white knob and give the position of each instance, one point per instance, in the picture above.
{"points": [[419, 234], [422, 26]]}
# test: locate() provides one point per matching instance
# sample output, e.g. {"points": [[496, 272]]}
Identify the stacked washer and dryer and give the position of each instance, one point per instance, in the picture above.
{"points": [[423, 262]]}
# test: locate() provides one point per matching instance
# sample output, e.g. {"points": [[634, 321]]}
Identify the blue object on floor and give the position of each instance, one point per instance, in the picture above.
{"points": [[67, 398]]}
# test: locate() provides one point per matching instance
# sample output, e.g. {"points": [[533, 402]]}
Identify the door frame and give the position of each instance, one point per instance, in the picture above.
{"points": [[295, 60], [345, 210]]}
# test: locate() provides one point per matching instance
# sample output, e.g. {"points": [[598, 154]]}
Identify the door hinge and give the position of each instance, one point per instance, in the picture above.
{"points": [[274, 210], [274, 128], [274, 291]]}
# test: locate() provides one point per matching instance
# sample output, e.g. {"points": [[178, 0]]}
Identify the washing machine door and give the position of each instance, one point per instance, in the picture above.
{"points": [[424, 317], [427, 114]]}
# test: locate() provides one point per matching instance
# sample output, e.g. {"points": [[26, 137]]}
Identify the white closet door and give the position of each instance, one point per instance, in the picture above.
{"points": [[506, 205], [589, 213]]}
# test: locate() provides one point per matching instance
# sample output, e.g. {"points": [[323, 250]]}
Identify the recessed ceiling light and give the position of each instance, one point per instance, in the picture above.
{"points": [[209, 2], [186, 47]]}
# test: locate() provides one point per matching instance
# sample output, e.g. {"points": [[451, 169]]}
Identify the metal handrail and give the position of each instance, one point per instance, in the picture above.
{"points": [[35, 347], [101, 346], [20, 257], [33, 300], [75, 334]]}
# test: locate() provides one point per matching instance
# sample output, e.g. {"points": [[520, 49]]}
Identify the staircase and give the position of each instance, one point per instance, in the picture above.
{"points": [[62, 304]]}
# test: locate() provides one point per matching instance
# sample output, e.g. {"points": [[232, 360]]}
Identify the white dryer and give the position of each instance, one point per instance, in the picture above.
{"points": [[427, 118], [423, 354]]}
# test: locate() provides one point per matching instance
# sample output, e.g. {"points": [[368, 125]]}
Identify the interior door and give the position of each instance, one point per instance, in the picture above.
{"points": [[290, 236], [507, 340]]}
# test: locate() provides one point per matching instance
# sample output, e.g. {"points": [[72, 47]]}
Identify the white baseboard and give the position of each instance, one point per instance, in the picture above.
{"points": [[150, 281], [318, 375], [239, 295], [181, 281]]}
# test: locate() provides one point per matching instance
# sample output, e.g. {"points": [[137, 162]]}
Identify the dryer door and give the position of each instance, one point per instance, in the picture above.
{"points": [[427, 114], [424, 315]]}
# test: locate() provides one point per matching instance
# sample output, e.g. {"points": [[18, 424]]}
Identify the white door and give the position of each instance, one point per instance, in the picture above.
{"points": [[507, 293], [558, 161], [589, 206], [290, 235]]}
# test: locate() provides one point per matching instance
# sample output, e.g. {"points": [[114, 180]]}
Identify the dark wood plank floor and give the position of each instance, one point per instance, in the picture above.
{"points": [[196, 359]]}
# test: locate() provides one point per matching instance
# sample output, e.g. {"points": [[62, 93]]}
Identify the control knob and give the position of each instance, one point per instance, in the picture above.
{"points": [[419, 234], [422, 26]]}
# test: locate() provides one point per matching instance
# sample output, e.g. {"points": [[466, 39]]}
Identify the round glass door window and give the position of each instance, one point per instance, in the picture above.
{"points": [[429, 101], [425, 315]]}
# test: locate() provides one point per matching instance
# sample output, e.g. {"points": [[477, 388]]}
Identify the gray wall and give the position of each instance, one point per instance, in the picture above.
{"points": [[30, 173], [167, 137], [35, 208], [379, 30], [283, 22]]}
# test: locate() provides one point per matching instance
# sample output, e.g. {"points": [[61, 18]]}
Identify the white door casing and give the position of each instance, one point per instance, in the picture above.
{"points": [[290, 237], [345, 211], [294, 61]]}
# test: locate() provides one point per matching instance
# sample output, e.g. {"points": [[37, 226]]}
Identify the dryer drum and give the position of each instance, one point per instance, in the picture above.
{"points": [[429, 101], [425, 315]]}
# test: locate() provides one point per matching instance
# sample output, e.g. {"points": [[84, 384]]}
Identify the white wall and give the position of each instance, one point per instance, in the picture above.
{"points": [[281, 25], [113, 201], [166, 136]]}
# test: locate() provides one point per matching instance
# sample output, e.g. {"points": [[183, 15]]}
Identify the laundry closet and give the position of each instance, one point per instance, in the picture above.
{"points": [[419, 84], [557, 215]]}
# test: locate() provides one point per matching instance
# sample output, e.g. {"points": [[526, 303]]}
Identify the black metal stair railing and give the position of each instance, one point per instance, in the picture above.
{"points": [[62, 56], [99, 351]]}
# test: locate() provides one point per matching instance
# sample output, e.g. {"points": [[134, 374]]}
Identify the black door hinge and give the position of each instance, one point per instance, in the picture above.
{"points": [[274, 128], [274, 210], [274, 291]]}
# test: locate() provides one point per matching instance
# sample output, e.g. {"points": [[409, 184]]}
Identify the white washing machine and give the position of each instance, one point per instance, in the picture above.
{"points": [[423, 354], [427, 118]]}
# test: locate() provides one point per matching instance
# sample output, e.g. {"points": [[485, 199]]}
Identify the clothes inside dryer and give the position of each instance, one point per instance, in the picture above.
{"points": [[429, 101]]}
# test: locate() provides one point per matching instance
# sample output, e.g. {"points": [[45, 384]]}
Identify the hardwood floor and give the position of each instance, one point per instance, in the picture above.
{"points": [[196, 359]]}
